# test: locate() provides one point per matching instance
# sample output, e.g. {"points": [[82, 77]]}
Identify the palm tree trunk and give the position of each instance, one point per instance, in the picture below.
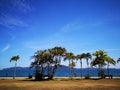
{"points": [[99, 70], [69, 69], [42, 72], [81, 68], [48, 70], [53, 72], [108, 69], [87, 65], [15, 70]]}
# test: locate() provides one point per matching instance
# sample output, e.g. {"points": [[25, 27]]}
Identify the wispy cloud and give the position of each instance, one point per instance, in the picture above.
{"points": [[10, 12], [71, 27], [54, 39], [23, 5], [6, 48], [11, 22], [77, 26], [47, 43]]}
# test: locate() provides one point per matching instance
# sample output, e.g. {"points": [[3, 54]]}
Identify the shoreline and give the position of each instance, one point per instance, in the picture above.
{"points": [[58, 78]]}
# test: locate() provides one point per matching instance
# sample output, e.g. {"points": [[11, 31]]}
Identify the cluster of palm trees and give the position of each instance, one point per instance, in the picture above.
{"points": [[72, 59], [100, 59], [47, 61]]}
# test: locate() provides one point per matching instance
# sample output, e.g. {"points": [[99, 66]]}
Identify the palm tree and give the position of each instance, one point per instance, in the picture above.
{"points": [[40, 58], [47, 60], [69, 56], [72, 65], [88, 56], [80, 57], [99, 60], [57, 53], [15, 58], [109, 60]]}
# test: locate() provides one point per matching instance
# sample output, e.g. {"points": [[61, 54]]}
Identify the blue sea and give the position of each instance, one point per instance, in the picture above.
{"points": [[61, 72]]}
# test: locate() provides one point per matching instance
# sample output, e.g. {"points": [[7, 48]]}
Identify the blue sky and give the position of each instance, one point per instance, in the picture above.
{"points": [[78, 25]]}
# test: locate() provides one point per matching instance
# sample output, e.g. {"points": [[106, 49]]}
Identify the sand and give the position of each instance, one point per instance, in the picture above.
{"points": [[59, 84]]}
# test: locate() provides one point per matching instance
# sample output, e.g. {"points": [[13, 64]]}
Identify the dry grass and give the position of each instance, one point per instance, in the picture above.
{"points": [[60, 84]]}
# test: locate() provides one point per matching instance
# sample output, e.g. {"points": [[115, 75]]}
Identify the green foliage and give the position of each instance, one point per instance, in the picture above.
{"points": [[72, 64], [80, 56], [14, 58], [69, 56], [47, 61], [109, 60], [101, 58]]}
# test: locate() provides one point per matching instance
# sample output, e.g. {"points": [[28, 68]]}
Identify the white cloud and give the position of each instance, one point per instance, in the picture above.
{"points": [[6, 48], [45, 43], [10, 16], [23, 6], [35, 45], [11, 22], [81, 25], [71, 27]]}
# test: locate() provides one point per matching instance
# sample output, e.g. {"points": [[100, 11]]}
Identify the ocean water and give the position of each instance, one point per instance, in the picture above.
{"points": [[59, 73]]}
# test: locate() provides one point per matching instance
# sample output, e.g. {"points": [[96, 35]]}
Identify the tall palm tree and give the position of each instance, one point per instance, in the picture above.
{"points": [[88, 56], [69, 56], [72, 65], [99, 60], [80, 57], [57, 53], [15, 58], [109, 60]]}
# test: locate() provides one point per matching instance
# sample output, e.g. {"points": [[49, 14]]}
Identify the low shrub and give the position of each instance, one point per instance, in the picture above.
{"points": [[87, 76]]}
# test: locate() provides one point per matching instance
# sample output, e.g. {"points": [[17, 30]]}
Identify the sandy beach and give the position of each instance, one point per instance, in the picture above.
{"points": [[59, 84]]}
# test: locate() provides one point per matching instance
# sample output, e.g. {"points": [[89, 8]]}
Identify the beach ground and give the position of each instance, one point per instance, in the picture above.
{"points": [[59, 84]]}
